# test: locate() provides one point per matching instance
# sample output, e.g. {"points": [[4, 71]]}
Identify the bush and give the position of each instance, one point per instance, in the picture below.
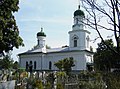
{"points": [[91, 80], [59, 86], [48, 85], [38, 84]]}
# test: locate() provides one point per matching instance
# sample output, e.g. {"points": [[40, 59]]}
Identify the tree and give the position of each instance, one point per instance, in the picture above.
{"points": [[9, 34], [15, 65], [112, 80], [106, 11], [59, 64], [6, 62], [104, 58], [59, 86], [66, 64], [91, 80]]}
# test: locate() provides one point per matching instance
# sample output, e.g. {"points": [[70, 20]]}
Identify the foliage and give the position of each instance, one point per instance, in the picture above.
{"points": [[61, 77], [104, 58], [66, 64], [19, 74], [106, 11], [23, 74], [9, 34], [91, 80], [91, 85], [48, 85], [15, 65], [62, 74], [38, 84], [6, 62], [59, 64], [50, 79], [99, 80], [59, 86], [112, 80]]}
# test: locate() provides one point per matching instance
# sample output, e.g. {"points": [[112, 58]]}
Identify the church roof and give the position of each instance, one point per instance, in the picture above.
{"points": [[41, 33], [52, 50], [79, 12]]}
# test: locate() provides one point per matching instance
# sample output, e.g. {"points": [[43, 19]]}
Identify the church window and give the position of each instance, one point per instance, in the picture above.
{"points": [[88, 39], [31, 62], [76, 20], [75, 41], [30, 66], [26, 65], [38, 42], [34, 64], [50, 65]]}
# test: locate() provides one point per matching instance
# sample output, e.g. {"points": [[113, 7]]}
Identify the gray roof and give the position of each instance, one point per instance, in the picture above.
{"points": [[51, 50], [58, 49]]}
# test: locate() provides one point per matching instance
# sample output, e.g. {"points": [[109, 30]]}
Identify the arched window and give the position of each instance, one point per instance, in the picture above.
{"points": [[88, 39], [75, 41], [26, 65], [38, 42], [30, 66], [50, 65], [31, 62], [34, 64]]}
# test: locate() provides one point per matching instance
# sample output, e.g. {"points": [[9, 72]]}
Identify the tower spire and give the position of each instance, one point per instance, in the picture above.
{"points": [[78, 4], [78, 7], [41, 29]]}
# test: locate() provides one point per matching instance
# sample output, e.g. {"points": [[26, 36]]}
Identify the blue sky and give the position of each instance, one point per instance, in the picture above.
{"points": [[56, 18]]}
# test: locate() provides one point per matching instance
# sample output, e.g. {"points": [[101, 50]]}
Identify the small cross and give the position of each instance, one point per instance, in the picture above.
{"points": [[41, 29]]}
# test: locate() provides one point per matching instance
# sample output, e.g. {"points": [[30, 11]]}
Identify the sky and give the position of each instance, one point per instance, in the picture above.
{"points": [[54, 16]]}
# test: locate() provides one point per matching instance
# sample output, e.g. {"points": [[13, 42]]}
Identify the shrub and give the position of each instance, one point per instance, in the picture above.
{"points": [[38, 84], [59, 86]]}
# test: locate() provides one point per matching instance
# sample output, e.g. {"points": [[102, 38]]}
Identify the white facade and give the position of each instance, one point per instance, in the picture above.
{"points": [[44, 59]]}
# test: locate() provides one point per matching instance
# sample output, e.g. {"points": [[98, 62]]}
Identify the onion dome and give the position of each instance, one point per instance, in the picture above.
{"points": [[41, 33], [79, 12]]}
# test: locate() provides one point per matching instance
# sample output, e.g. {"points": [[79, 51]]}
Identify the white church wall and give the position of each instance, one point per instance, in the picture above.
{"points": [[77, 56], [87, 41], [42, 61], [33, 57]]}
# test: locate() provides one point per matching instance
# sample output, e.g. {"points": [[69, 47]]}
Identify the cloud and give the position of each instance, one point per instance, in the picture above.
{"points": [[58, 20]]}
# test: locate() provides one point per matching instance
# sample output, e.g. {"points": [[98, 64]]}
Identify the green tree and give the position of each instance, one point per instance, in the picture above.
{"points": [[9, 34], [91, 80], [15, 65], [59, 64], [112, 80], [6, 62], [59, 86], [38, 84], [50, 80], [66, 64], [104, 58]]}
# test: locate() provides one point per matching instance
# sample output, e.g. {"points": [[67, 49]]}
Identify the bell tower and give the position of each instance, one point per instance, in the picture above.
{"points": [[79, 37]]}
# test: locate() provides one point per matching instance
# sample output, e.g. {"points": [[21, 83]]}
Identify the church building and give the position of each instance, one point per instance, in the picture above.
{"points": [[43, 59]]}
